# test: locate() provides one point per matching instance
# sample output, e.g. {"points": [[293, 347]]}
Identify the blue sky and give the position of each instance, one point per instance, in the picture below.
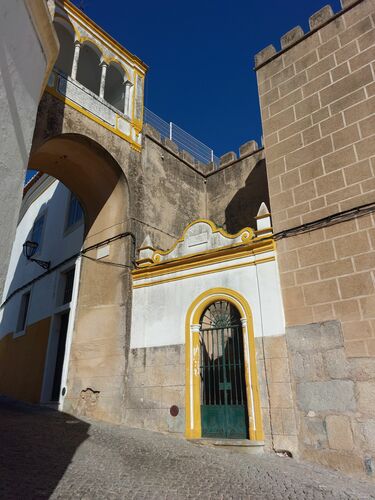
{"points": [[200, 54]]}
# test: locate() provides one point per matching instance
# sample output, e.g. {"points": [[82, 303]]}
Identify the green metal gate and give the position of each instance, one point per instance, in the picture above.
{"points": [[223, 386]]}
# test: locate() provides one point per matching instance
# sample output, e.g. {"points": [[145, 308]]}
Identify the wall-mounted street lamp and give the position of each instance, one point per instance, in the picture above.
{"points": [[29, 249]]}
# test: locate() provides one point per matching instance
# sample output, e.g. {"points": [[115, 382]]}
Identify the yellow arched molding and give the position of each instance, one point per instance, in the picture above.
{"points": [[115, 60], [58, 18], [246, 234], [87, 40], [88, 25], [194, 314]]}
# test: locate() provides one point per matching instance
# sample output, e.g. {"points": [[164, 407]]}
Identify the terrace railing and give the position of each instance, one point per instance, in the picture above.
{"points": [[183, 139]]}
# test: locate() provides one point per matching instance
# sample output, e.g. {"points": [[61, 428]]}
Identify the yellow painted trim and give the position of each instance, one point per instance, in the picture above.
{"points": [[75, 106], [264, 216], [204, 273], [138, 123], [86, 23], [209, 257], [87, 40], [247, 232], [66, 18], [266, 230], [193, 429], [110, 60]]}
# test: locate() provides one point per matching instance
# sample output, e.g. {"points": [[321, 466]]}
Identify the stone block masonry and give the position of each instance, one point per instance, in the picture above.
{"points": [[317, 99], [155, 382], [334, 397], [318, 105]]}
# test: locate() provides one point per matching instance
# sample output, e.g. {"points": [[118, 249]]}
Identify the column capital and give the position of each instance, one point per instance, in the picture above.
{"points": [[103, 62], [244, 322], [127, 83], [195, 328], [77, 43]]}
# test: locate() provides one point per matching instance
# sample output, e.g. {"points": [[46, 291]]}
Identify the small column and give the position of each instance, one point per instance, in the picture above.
{"points": [[104, 66], [128, 85], [249, 382], [77, 48], [194, 382]]}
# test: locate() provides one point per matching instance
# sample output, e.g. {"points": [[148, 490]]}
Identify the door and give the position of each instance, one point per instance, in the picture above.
{"points": [[64, 319], [223, 386]]}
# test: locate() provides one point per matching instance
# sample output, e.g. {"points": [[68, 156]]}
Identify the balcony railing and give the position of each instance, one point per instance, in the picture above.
{"points": [[87, 100], [97, 106]]}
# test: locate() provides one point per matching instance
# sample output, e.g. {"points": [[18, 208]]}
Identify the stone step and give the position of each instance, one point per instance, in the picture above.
{"points": [[232, 445]]}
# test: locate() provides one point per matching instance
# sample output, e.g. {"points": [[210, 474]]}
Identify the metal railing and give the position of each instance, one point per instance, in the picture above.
{"points": [[184, 141]]}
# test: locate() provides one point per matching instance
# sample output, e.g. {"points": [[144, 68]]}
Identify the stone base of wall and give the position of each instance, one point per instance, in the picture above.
{"points": [[335, 399], [279, 422], [155, 382]]}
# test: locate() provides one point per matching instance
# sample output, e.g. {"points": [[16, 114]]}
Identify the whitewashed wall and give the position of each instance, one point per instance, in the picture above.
{"points": [[23, 67], [159, 311], [51, 197]]}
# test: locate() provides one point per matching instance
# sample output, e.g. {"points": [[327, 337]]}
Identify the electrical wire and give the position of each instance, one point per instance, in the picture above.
{"points": [[82, 253]]}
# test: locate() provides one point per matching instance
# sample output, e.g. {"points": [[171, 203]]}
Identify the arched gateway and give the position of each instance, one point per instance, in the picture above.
{"points": [[222, 394], [223, 400], [95, 359]]}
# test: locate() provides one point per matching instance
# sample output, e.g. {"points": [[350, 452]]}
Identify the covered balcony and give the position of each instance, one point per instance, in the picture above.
{"points": [[93, 82]]}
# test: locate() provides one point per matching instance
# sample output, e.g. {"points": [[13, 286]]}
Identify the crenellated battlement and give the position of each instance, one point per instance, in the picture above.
{"points": [[247, 149], [316, 21]]}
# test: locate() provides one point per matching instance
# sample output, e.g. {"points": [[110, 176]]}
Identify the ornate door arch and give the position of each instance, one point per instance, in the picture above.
{"points": [[193, 361], [223, 400]]}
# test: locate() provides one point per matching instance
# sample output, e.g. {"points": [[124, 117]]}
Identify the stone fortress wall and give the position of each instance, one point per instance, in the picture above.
{"points": [[317, 98]]}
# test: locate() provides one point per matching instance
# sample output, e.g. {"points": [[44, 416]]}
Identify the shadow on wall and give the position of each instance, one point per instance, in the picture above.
{"points": [[22, 359], [243, 207], [37, 446]]}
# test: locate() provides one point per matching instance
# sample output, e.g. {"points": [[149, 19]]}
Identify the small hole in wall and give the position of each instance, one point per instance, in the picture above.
{"points": [[369, 465], [63, 392], [174, 410]]}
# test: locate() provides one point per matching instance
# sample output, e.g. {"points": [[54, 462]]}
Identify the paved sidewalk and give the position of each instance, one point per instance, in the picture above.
{"points": [[47, 454]]}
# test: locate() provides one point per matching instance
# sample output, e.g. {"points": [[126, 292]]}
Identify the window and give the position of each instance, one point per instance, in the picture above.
{"points": [[25, 300], [68, 285], [75, 213], [37, 231]]}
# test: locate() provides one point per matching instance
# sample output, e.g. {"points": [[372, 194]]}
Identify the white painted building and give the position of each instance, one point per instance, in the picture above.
{"points": [[28, 49], [37, 310]]}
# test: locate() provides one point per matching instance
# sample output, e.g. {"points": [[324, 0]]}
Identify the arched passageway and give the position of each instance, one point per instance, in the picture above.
{"points": [[91, 173], [97, 355]]}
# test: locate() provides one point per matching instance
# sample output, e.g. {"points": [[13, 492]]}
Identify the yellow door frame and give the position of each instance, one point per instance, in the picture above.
{"points": [[192, 393]]}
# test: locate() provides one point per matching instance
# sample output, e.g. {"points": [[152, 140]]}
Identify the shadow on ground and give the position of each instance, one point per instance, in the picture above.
{"points": [[34, 456]]}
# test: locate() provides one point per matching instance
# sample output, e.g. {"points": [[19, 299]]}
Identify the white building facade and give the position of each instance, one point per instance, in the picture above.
{"points": [[37, 313]]}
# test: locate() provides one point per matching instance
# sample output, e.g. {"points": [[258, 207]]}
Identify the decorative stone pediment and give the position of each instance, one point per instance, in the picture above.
{"points": [[200, 237]]}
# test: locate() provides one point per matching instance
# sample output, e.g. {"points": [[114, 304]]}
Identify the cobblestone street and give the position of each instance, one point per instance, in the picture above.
{"points": [[48, 454]]}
